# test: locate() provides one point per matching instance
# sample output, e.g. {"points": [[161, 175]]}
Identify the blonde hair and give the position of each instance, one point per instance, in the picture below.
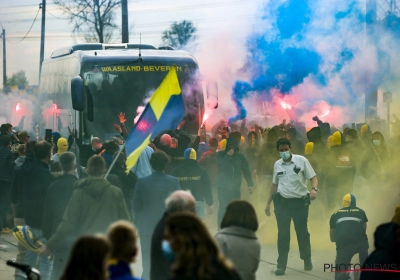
{"points": [[21, 149], [122, 236]]}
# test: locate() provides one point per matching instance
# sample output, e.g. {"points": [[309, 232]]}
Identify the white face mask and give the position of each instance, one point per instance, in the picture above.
{"points": [[285, 155], [376, 142]]}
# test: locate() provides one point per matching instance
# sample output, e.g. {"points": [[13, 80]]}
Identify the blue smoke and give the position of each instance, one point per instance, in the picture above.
{"points": [[240, 90], [283, 56]]}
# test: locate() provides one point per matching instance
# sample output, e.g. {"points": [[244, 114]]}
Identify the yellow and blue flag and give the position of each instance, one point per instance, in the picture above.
{"points": [[164, 111]]}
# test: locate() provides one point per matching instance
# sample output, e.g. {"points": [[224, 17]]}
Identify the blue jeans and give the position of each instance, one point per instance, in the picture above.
{"points": [[31, 258], [200, 209]]}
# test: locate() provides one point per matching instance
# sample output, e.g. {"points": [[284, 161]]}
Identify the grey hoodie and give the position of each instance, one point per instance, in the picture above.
{"points": [[94, 205], [241, 246]]}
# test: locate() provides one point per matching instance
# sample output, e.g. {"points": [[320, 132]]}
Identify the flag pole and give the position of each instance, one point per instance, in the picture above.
{"points": [[114, 161]]}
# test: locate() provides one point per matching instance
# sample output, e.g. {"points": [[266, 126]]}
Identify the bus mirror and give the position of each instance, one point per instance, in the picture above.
{"points": [[212, 95], [77, 93]]}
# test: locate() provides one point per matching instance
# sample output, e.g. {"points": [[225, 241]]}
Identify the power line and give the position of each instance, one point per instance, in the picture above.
{"points": [[47, 10], [28, 30]]}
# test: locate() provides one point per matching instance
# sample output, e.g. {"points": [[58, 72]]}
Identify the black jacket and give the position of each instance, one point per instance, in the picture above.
{"points": [[193, 177], [57, 199], [160, 267], [6, 164], [230, 168], [19, 175], [37, 180], [127, 184], [176, 154], [386, 254], [220, 273]]}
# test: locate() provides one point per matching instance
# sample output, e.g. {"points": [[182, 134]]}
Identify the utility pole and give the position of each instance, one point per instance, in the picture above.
{"points": [[371, 92], [43, 7], [125, 28], [3, 36]]}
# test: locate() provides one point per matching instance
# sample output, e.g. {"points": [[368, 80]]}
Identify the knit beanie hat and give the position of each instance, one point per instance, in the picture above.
{"points": [[309, 148], [349, 200], [337, 139], [189, 154], [396, 217], [364, 129], [62, 146]]}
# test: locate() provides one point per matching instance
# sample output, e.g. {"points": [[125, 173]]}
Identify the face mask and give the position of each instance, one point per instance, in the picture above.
{"points": [[94, 149], [167, 251], [285, 155], [376, 142]]}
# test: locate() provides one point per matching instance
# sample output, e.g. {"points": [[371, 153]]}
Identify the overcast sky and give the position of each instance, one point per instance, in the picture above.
{"points": [[230, 18]]}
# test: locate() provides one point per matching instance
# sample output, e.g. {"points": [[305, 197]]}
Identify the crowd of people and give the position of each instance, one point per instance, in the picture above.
{"points": [[179, 180]]}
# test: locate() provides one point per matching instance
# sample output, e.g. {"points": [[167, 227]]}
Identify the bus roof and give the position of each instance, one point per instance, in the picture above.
{"points": [[121, 52]]}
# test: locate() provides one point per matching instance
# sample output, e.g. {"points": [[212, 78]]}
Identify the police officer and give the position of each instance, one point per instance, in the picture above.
{"points": [[347, 229], [291, 201]]}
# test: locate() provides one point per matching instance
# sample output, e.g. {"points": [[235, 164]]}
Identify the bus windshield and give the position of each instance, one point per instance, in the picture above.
{"points": [[113, 89]]}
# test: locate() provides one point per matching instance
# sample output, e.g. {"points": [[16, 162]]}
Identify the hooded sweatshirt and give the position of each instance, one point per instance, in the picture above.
{"points": [[194, 177], [375, 159], [230, 168], [94, 205], [348, 223]]}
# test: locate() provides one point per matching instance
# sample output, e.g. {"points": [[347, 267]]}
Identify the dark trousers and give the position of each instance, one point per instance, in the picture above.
{"points": [[225, 197], [5, 202], [344, 256], [145, 248], [286, 210]]}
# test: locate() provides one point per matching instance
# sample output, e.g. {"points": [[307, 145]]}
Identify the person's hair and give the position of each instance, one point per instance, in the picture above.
{"points": [[111, 147], [55, 166], [118, 140], [5, 127], [96, 166], [122, 236], [14, 148], [179, 201], [283, 141], [42, 149], [194, 245], [87, 259], [5, 140], [159, 160], [29, 147], [213, 142], [67, 161], [272, 136], [21, 149], [240, 213], [96, 140], [237, 135], [352, 133], [120, 160]]}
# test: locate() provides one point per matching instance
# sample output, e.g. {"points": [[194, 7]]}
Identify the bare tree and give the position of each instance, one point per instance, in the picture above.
{"points": [[179, 34], [92, 18]]}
